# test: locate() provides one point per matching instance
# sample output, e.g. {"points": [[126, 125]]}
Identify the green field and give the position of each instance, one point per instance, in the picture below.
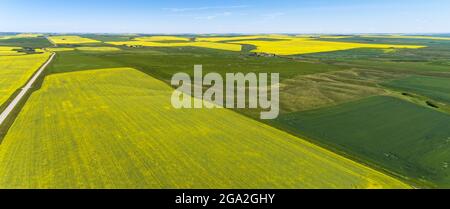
{"points": [[409, 140], [39, 42], [163, 63], [433, 87], [116, 128]]}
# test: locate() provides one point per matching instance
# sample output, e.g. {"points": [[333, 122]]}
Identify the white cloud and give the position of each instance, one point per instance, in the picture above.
{"points": [[205, 8]]}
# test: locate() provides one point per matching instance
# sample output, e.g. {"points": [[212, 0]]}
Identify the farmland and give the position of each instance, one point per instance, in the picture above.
{"points": [[306, 92], [162, 39], [22, 35], [297, 46], [7, 51], [39, 42], [378, 129], [210, 45], [275, 44], [84, 138], [240, 38], [433, 87], [101, 49], [16, 70], [60, 49], [164, 62], [85, 48], [362, 97], [71, 40]]}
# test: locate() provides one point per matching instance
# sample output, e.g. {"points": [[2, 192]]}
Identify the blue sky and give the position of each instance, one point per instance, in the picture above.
{"points": [[226, 16]]}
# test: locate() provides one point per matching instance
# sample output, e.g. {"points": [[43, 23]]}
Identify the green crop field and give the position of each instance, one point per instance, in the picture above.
{"points": [[410, 140], [163, 63], [116, 128], [437, 88], [31, 42]]}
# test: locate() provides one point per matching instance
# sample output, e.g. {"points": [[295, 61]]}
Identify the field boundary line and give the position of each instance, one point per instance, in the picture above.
{"points": [[51, 41]]}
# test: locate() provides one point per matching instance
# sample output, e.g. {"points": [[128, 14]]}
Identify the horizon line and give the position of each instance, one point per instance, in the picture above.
{"points": [[232, 33]]}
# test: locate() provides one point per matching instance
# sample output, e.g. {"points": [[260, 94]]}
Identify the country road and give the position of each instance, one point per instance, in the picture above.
{"points": [[24, 91]]}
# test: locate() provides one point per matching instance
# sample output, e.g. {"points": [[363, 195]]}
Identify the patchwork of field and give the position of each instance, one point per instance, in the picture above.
{"points": [[72, 40], [274, 44], [23, 35], [437, 88], [324, 36], [10, 51], [163, 63], [15, 72], [296, 46], [60, 49], [240, 38], [210, 45], [89, 49], [109, 38], [364, 97], [409, 140], [116, 128], [161, 38], [6, 48], [29, 35], [301, 44], [28, 42]]}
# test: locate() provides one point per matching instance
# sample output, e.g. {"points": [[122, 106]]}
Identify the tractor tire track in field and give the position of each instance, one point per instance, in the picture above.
{"points": [[8, 110]]}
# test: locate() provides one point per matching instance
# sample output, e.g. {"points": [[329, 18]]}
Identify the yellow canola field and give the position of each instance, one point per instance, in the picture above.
{"points": [[72, 40], [99, 49], [116, 128], [9, 48], [10, 51], [15, 71], [40, 50], [161, 38], [238, 38], [285, 45], [305, 46], [210, 45], [322, 36], [23, 35]]}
